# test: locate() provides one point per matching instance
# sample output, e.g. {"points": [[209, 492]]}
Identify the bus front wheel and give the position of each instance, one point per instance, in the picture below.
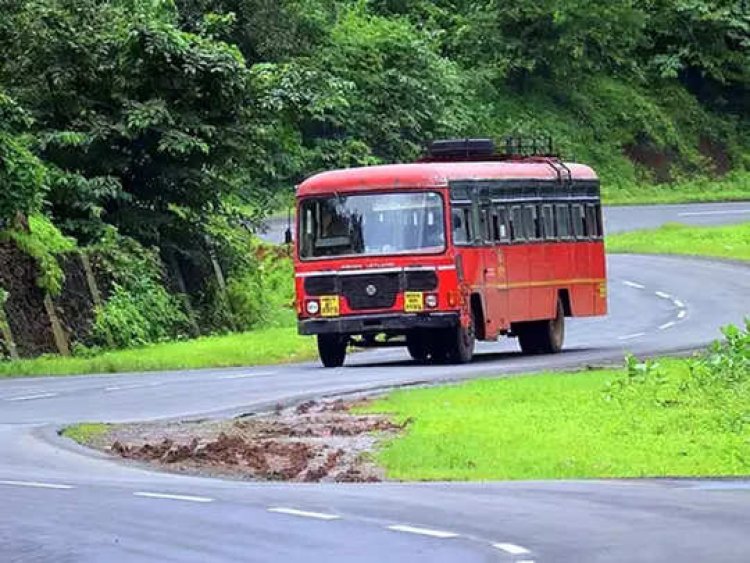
{"points": [[416, 344], [543, 337], [332, 349], [460, 341]]}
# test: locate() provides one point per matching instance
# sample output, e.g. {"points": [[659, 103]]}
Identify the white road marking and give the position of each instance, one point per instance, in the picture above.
{"points": [[663, 295], [678, 303], [682, 314], [511, 548], [423, 531], [246, 375], [304, 513], [166, 496], [631, 336], [128, 387], [32, 397], [665, 326], [633, 284], [36, 485], [721, 212]]}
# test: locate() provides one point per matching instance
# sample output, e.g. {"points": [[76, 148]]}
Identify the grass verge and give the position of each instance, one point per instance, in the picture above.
{"points": [[677, 418], [730, 241], [86, 432], [263, 346], [735, 186]]}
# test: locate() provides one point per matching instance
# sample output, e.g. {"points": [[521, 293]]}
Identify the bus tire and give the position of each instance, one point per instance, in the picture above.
{"points": [[332, 349], [543, 337], [460, 344], [416, 344]]}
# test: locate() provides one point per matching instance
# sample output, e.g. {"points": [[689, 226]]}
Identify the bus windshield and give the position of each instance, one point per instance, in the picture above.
{"points": [[372, 224]]}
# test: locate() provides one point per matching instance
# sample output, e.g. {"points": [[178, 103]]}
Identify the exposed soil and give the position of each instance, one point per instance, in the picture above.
{"points": [[313, 442]]}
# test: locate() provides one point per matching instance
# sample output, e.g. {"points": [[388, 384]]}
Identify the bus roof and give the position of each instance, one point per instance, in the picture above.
{"points": [[435, 175]]}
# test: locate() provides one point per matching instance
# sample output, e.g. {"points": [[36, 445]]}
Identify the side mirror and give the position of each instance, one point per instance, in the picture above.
{"points": [[288, 236]]}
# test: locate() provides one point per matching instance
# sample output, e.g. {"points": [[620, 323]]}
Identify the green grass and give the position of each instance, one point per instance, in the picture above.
{"points": [[86, 432], [554, 426], [263, 346], [731, 241], [735, 186]]}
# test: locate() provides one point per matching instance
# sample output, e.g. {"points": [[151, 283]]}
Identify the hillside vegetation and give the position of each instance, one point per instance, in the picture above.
{"points": [[157, 132]]}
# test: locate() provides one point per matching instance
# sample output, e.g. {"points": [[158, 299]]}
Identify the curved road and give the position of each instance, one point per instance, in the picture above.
{"points": [[59, 502]]}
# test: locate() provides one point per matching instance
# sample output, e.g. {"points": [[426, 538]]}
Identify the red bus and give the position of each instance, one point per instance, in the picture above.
{"points": [[464, 244]]}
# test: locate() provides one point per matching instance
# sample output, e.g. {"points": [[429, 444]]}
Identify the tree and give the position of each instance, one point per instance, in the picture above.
{"points": [[22, 175], [142, 123]]}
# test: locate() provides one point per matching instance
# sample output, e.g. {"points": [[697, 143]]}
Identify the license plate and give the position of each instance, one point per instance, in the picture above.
{"points": [[413, 301], [329, 306]]}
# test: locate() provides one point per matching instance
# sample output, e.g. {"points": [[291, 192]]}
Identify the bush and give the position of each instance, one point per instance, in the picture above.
{"points": [[139, 309], [262, 294], [718, 381], [142, 314]]}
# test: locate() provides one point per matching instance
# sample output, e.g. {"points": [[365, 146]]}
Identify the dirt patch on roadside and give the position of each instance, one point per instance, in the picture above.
{"points": [[313, 442]]}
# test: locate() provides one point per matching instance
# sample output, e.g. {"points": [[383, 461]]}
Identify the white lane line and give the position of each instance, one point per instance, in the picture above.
{"points": [[679, 304], [631, 336], [188, 498], [665, 326], [682, 314], [247, 375], [663, 295], [423, 531], [511, 548], [303, 513], [633, 284], [128, 387], [33, 397], [36, 485], [721, 212]]}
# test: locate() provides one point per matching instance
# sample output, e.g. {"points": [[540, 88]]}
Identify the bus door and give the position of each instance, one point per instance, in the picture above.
{"points": [[500, 234], [492, 264]]}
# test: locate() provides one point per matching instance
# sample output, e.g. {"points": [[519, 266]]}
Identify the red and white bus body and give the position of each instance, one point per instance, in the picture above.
{"points": [[522, 240]]}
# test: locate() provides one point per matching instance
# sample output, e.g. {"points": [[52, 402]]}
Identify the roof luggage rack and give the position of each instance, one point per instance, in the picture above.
{"points": [[516, 148], [483, 150]]}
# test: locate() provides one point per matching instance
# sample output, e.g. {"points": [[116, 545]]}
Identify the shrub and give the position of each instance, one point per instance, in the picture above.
{"points": [[143, 313]]}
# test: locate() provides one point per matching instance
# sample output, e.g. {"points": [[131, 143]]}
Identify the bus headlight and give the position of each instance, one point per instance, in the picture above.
{"points": [[313, 307], [431, 300]]}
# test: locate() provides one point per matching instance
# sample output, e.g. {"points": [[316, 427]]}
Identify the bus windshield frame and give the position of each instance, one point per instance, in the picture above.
{"points": [[372, 224]]}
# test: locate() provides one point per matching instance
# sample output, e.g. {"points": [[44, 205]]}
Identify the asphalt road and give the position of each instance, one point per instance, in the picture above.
{"points": [[59, 502]]}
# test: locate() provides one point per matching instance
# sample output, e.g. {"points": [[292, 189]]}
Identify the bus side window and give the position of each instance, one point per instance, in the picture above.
{"points": [[548, 222], [500, 228], [592, 227], [579, 221], [483, 229], [531, 224], [517, 231], [562, 218], [461, 220]]}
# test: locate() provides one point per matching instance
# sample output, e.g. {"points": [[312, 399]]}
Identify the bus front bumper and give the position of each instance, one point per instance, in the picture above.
{"points": [[363, 324]]}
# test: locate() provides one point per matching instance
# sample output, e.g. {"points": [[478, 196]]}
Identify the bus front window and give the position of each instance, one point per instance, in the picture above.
{"points": [[372, 224]]}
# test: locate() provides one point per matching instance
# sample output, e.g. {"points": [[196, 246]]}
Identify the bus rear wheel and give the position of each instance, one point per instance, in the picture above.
{"points": [[543, 337], [332, 349]]}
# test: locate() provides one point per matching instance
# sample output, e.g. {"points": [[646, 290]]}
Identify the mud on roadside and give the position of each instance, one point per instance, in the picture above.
{"points": [[313, 442]]}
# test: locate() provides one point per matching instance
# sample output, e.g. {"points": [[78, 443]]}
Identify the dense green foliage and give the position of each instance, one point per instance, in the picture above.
{"points": [[181, 123], [651, 419]]}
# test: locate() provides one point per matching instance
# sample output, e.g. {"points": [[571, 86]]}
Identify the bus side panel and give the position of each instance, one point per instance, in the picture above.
{"points": [[599, 271], [543, 266], [518, 275], [583, 293]]}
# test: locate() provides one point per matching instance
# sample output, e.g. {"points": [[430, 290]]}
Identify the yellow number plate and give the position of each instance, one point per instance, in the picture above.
{"points": [[329, 306], [413, 301]]}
